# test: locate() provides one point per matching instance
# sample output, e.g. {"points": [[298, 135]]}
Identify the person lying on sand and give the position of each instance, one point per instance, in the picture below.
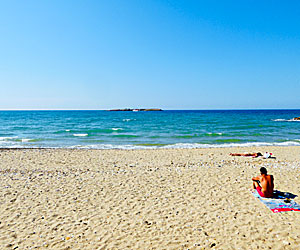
{"points": [[264, 183], [248, 154]]}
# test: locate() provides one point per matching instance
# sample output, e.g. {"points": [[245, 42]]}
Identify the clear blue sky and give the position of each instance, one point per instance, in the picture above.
{"points": [[149, 53]]}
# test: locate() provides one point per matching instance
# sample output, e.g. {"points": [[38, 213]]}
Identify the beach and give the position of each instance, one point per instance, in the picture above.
{"points": [[144, 199]]}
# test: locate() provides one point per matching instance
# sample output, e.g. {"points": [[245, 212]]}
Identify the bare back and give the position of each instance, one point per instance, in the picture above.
{"points": [[267, 184]]}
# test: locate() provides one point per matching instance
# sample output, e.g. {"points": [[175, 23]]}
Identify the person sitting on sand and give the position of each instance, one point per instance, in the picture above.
{"points": [[254, 155], [264, 183]]}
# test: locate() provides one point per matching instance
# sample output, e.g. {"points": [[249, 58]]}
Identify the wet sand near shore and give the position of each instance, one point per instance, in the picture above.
{"points": [[144, 199]]}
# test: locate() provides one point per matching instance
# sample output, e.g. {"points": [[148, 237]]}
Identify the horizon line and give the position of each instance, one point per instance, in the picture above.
{"points": [[162, 109]]}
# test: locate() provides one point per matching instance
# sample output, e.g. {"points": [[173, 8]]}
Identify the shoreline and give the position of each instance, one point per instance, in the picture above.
{"points": [[138, 147], [144, 199]]}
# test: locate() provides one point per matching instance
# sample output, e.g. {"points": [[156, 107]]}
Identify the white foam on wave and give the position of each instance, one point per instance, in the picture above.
{"points": [[67, 130], [285, 120], [187, 145], [12, 146], [80, 135], [26, 140], [288, 143], [6, 138], [279, 120], [127, 120], [116, 129], [111, 146]]}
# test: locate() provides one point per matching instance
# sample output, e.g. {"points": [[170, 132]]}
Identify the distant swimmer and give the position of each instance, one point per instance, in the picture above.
{"points": [[264, 183], [254, 155]]}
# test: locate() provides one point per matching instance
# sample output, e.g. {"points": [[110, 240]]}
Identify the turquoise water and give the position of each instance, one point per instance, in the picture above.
{"points": [[134, 130]]}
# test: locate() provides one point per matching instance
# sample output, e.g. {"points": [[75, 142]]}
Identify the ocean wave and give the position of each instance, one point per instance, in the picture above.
{"points": [[30, 140], [186, 145], [125, 136], [214, 134], [210, 134], [227, 140], [184, 136], [116, 129], [108, 146], [78, 132], [93, 131], [26, 140], [80, 135], [285, 120], [127, 120], [62, 131], [7, 138], [152, 144]]}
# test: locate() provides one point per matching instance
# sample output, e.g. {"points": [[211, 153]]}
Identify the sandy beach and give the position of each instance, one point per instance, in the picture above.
{"points": [[144, 199]]}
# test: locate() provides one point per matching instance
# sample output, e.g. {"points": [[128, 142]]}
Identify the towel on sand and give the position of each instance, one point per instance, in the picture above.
{"points": [[281, 202]]}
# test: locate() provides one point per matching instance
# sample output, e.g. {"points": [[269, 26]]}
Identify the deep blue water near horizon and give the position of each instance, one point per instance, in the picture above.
{"points": [[138, 130]]}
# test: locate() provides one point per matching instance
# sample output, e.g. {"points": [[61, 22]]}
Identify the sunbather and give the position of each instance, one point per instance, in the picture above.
{"points": [[254, 155], [264, 183]]}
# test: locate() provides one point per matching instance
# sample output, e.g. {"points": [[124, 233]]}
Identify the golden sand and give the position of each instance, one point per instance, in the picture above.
{"points": [[144, 199]]}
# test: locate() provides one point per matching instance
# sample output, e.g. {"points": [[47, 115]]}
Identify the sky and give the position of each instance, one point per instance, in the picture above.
{"points": [[165, 54]]}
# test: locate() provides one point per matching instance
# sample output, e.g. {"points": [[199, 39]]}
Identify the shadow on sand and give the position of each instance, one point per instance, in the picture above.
{"points": [[283, 195]]}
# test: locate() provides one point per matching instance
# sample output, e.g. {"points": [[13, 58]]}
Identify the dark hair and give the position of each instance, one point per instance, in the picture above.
{"points": [[263, 170], [259, 154]]}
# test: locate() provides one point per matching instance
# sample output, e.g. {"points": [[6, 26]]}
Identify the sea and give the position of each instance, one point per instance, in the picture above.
{"points": [[148, 129]]}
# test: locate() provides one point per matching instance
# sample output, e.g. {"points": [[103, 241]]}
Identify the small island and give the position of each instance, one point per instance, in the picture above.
{"points": [[135, 110]]}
